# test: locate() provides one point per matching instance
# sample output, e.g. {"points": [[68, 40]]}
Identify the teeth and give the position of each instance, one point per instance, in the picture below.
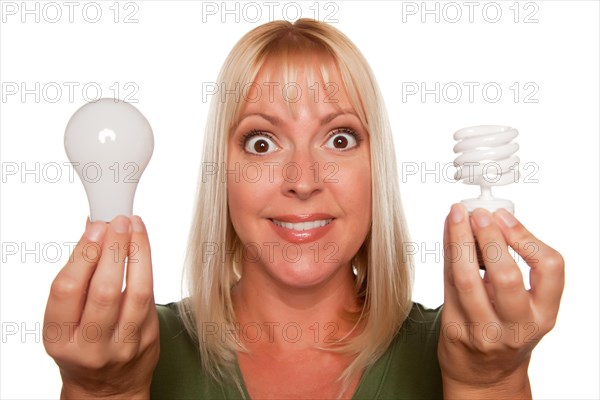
{"points": [[303, 226]]}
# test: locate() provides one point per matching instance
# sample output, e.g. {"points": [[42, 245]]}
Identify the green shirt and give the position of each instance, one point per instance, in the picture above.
{"points": [[409, 368]]}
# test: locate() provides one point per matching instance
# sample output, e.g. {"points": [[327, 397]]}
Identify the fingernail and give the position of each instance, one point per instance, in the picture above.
{"points": [[456, 213], [482, 218], [138, 224], [94, 231], [507, 218], [121, 224]]}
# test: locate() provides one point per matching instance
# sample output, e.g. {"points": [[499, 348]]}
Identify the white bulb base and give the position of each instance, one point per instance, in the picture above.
{"points": [[489, 204]]}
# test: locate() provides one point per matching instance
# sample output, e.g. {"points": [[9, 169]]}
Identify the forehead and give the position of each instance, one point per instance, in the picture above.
{"points": [[310, 82]]}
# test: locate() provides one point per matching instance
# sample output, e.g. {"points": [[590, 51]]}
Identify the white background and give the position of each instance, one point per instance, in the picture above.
{"points": [[173, 49]]}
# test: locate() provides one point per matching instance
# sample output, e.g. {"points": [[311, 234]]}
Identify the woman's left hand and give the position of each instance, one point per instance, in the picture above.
{"points": [[491, 325]]}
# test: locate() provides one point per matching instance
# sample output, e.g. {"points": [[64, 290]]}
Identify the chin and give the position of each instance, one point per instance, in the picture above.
{"points": [[304, 274]]}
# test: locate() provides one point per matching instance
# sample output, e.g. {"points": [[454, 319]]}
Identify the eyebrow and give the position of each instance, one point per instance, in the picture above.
{"points": [[277, 122]]}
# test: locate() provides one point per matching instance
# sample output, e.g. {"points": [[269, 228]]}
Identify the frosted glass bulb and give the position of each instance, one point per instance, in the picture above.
{"points": [[487, 160], [109, 143]]}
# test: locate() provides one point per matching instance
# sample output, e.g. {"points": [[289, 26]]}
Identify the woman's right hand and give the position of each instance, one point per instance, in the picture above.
{"points": [[105, 340]]}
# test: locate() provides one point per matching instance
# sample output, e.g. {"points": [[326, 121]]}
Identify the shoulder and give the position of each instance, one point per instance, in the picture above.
{"points": [[423, 319], [409, 368], [179, 373], [178, 356], [420, 331], [175, 342], [168, 316], [170, 321]]}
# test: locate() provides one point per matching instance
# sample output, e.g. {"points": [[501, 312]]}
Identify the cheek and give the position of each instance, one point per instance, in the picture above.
{"points": [[237, 194], [247, 194], [353, 190]]}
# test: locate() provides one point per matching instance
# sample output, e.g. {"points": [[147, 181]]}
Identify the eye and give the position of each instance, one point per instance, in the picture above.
{"points": [[260, 143], [343, 139]]}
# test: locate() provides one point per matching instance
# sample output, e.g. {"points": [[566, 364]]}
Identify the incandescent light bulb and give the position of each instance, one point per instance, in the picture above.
{"points": [[109, 142]]}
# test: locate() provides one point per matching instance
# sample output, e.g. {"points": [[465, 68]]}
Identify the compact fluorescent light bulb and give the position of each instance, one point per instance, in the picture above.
{"points": [[487, 160], [109, 142]]}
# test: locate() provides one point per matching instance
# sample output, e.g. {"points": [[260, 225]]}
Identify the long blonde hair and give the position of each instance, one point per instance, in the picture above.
{"points": [[384, 269]]}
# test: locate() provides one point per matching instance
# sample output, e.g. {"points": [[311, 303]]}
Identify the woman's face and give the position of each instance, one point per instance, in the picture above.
{"points": [[299, 184]]}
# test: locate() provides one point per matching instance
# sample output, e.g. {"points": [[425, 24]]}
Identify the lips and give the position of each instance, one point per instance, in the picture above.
{"points": [[303, 228]]}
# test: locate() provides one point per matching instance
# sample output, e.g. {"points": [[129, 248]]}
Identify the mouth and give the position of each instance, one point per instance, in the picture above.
{"points": [[302, 228]]}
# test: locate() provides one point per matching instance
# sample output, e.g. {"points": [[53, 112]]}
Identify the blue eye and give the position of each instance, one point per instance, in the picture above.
{"points": [[259, 143], [342, 139]]}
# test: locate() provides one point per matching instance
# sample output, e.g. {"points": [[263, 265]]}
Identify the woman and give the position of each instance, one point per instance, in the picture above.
{"points": [[299, 285]]}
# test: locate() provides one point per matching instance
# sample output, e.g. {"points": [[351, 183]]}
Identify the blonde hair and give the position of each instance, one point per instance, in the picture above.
{"points": [[384, 269]]}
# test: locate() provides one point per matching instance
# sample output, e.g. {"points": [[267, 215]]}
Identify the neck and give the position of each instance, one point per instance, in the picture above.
{"points": [[297, 316]]}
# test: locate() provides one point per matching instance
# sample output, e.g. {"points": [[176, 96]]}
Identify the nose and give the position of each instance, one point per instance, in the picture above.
{"points": [[301, 176]]}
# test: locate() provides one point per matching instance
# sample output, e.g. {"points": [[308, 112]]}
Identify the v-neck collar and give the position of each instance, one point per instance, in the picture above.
{"points": [[375, 373]]}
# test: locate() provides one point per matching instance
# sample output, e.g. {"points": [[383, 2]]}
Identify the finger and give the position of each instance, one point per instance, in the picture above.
{"points": [[489, 287], [138, 297], [511, 297], [449, 254], [464, 269], [104, 298], [547, 274], [68, 290]]}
